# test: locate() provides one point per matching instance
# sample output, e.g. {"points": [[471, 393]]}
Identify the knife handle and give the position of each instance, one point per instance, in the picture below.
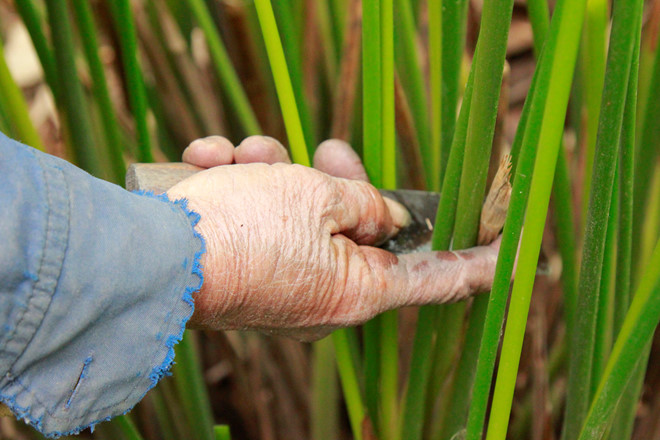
{"points": [[158, 177]]}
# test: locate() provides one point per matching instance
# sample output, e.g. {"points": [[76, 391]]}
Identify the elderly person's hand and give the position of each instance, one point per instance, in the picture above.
{"points": [[290, 248]]}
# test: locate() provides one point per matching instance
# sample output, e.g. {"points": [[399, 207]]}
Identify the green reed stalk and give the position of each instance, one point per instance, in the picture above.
{"points": [[625, 415], [537, 96], [562, 195], [652, 220], [449, 319], [285, 91], [16, 107], [523, 160], [626, 184], [189, 381], [410, 71], [165, 137], [647, 153], [454, 17], [74, 104], [4, 118], [556, 69], [292, 43], [635, 335], [165, 423], [539, 18], [137, 95], [488, 67], [389, 334], [617, 73], [221, 432], [603, 337], [371, 91], [435, 74], [524, 150], [87, 29], [373, 161], [594, 45], [35, 26], [225, 70], [389, 374], [324, 406], [420, 367], [127, 428], [174, 406], [422, 362], [387, 92], [349, 381]]}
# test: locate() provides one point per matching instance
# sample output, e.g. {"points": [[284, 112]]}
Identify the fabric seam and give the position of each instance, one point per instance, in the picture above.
{"points": [[38, 287]]}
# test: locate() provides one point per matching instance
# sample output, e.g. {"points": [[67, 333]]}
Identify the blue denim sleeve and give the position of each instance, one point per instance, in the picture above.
{"points": [[96, 286]]}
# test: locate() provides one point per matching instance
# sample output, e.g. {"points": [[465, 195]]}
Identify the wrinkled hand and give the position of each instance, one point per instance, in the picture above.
{"points": [[290, 248]]}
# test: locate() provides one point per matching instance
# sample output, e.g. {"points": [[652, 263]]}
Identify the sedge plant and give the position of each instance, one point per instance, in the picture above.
{"points": [[395, 76]]}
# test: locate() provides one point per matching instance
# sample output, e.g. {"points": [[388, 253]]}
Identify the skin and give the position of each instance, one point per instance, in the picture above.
{"points": [[290, 248]]}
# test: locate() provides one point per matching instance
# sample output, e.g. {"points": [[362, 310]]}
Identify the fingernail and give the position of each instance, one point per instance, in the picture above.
{"points": [[212, 141], [261, 149], [400, 215]]}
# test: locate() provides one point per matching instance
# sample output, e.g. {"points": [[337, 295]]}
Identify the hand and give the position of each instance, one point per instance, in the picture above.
{"points": [[289, 247]]}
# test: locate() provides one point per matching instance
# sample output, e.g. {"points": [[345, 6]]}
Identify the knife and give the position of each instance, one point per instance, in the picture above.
{"points": [[416, 237]]}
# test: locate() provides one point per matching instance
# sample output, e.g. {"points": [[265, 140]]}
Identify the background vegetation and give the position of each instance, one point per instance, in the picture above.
{"points": [[431, 94]]}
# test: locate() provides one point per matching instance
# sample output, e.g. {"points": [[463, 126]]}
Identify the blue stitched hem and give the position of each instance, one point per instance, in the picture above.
{"points": [[157, 372]]}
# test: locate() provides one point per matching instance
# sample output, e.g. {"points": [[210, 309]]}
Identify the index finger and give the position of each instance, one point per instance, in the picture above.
{"points": [[364, 215]]}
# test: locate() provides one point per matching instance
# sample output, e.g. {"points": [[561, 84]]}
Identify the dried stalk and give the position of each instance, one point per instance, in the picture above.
{"points": [[409, 142], [245, 58], [496, 205], [345, 88], [185, 127], [206, 102]]}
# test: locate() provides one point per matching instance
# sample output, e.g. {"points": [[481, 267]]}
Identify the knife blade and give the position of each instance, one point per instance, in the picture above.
{"points": [[416, 237]]}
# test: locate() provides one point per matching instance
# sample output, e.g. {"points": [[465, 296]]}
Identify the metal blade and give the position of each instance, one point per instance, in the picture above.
{"points": [[422, 205]]}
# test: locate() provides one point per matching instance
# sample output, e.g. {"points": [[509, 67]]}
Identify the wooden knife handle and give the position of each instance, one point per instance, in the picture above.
{"points": [[158, 177]]}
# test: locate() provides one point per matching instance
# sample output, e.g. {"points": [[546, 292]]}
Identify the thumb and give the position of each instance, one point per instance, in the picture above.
{"points": [[377, 280]]}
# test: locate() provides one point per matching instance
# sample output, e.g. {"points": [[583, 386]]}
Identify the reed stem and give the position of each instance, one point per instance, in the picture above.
{"points": [[87, 29], [454, 17], [16, 107], [225, 70], [191, 389], [349, 381], [547, 111], [35, 26], [137, 94], [629, 348], [74, 103], [285, 92], [488, 67], [609, 132]]}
